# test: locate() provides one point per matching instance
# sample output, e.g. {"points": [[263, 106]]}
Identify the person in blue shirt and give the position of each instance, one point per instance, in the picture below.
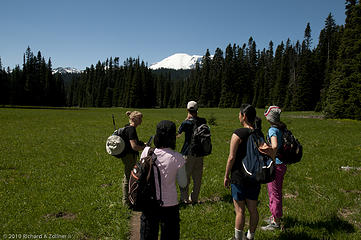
{"points": [[194, 164], [274, 188]]}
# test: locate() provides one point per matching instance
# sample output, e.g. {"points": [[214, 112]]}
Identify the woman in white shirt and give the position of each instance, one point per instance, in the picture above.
{"points": [[172, 169]]}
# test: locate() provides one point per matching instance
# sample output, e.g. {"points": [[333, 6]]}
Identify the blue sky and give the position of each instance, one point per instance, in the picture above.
{"points": [[78, 33]]}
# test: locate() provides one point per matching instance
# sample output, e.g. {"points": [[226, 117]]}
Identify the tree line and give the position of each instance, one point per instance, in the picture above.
{"points": [[294, 76], [34, 84]]}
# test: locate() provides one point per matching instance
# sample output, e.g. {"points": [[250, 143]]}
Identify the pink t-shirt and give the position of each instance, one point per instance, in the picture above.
{"points": [[168, 162]]}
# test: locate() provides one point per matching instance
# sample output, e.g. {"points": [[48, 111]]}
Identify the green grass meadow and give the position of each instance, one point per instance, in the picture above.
{"points": [[56, 179]]}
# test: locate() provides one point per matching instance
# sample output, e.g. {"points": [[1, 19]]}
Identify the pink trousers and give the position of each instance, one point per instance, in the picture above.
{"points": [[275, 191]]}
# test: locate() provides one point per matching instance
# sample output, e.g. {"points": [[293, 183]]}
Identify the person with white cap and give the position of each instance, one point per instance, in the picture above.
{"points": [[194, 164], [274, 188]]}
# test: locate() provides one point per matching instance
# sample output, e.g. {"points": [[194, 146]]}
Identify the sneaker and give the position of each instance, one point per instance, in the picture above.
{"points": [[246, 238], [243, 238], [272, 226], [269, 220]]}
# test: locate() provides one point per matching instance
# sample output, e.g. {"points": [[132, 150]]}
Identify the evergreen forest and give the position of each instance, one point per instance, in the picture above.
{"points": [[294, 76]]}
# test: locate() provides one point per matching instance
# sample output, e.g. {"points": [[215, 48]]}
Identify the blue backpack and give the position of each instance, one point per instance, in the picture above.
{"points": [[256, 166]]}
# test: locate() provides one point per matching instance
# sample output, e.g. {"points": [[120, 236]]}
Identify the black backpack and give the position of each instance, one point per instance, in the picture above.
{"points": [[142, 191], [120, 132], [201, 144], [291, 149], [256, 166]]}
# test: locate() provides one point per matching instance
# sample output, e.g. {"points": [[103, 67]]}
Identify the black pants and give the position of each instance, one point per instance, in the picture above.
{"points": [[167, 217]]}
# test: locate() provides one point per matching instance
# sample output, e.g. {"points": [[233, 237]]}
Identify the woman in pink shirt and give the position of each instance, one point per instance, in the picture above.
{"points": [[171, 166]]}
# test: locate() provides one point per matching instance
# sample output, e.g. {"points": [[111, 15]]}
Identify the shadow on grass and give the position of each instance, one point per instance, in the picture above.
{"points": [[295, 229], [329, 226], [297, 236], [213, 200]]}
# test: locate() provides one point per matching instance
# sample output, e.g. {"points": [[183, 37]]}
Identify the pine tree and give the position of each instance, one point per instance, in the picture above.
{"points": [[268, 75], [4, 86], [275, 91], [326, 52], [304, 97], [217, 66], [291, 59], [344, 94], [205, 96], [259, 86], [227, 94], [247, 84]]}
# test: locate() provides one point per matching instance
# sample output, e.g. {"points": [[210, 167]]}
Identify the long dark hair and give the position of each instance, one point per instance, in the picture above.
{"points": [[165, 136], [281, 125]]}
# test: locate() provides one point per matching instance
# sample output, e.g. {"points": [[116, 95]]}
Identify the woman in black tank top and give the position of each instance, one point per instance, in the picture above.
{"points": [[243, 193]]}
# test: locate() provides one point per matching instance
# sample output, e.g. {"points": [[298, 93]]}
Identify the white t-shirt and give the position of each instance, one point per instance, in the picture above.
{"points": [[171, 166]]}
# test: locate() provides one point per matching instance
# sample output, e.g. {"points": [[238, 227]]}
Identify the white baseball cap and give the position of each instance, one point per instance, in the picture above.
{"points": [[192, 105]]}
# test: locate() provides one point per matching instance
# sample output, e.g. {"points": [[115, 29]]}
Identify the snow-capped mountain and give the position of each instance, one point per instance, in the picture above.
{"points": [[62, 70], [178, 61]]}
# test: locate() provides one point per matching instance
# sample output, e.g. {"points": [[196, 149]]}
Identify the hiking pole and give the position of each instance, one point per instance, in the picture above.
{"points": [[114, 122], [149, 143]]}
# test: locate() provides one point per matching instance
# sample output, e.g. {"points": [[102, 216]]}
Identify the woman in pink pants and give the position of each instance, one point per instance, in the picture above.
{"points": [[274, 188]]}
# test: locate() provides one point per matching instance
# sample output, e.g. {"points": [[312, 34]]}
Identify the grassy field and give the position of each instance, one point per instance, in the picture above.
{"points": [[56, 180]]}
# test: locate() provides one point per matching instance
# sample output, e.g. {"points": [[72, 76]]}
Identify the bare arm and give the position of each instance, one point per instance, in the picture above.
{"points": [[274, 144], [135, 146], [235, 141]]}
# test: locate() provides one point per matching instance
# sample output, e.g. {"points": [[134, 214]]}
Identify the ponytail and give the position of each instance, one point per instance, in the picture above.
{"points": [[132, 115], [250, 113]]}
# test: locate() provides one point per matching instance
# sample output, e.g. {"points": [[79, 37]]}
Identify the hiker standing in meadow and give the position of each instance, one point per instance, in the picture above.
{"points": [[131, 150], [244, 193], [171, 166], [274, 188], [194, 164]]}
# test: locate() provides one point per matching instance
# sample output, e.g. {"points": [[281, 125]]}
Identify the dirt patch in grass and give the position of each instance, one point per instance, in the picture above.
{"points": [[347, 214], [290, 195], [135, 226], [308, 116], [60, 215], [7, 168], [351, 191], [106, 185], [210, 200]]}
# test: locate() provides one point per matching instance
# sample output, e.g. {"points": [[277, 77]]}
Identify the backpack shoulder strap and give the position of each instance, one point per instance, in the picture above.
{"points": [[120, 131], [194, 122], [154, 158], [257, 137], [150, 151]]}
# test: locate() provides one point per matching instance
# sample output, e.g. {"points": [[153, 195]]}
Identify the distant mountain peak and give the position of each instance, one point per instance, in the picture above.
{"points": [[64, 70], [178, 61]]}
